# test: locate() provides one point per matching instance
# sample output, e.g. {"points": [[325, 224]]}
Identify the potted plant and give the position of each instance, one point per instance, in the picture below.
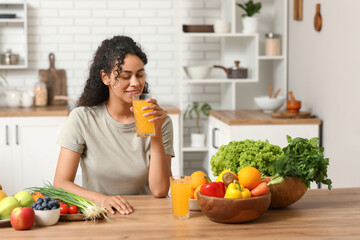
{"points": [[197, 138], [250, 22]]}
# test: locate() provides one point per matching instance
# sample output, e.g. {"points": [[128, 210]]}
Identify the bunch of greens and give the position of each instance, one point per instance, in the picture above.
{"points": [[304, 159], [88, 208], [239, 154]]}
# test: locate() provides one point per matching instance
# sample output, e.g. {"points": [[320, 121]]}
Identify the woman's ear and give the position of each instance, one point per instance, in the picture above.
{"points": [[105, 78]]}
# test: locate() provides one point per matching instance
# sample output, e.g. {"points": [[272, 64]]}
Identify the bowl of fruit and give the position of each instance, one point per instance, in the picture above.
{"points": [[235, 198], [47, 211]]}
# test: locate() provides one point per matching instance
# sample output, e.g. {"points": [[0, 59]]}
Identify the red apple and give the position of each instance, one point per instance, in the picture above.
{"points": [[22, 218]]}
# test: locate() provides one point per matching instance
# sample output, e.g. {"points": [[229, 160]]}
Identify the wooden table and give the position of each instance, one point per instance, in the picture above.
{"points": [[320, 214]]}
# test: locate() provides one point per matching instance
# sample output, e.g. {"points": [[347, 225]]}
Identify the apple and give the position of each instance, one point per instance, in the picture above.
{"points": [[7, 205], [22, 218], [25, 198]]}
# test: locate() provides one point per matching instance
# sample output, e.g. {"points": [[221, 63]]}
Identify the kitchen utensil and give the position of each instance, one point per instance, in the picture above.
{"points": [[318, 19], [47, 217], [235, 71], [298, 9], [272, 44], [293, 106], [270, 90], [197, 72], [198, 28], [276, 93], [55, 81], [229, 210], [287, 114], [72, 217], [292, 96], [8, 58]]}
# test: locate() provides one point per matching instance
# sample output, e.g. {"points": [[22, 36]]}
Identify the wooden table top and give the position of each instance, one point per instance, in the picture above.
{"points": [[257, 117], [319, 214]]}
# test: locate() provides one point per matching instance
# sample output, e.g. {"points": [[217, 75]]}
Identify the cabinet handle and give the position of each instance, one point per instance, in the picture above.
{"points": [[7, 135], [17, 134], [213, 138]]}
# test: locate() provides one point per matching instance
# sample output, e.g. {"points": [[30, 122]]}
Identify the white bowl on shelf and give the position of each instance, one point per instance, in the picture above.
{"points": [[197, 72], [269, 105]]}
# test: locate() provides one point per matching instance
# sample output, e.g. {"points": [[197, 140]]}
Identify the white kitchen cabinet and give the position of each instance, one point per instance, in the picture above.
{"points": [[14, 32], [28, 151], [221, 133]]}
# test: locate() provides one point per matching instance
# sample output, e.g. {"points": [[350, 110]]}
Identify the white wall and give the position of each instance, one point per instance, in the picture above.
{"points": [[324, 72]]}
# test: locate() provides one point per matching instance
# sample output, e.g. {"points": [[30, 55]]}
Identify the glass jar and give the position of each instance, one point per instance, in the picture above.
{"points": [[40, 94], [272, 44]]}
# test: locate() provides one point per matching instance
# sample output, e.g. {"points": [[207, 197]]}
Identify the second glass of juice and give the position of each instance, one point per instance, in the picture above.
{"points": [[180, 187], [144, 128]]}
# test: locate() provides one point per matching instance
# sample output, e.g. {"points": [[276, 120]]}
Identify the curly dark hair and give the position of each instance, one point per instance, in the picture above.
{"points": [[109, 54]]}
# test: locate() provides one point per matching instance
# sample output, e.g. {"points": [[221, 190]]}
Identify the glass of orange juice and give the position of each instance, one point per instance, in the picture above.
{"points": [[180, 188], [144, 128]]}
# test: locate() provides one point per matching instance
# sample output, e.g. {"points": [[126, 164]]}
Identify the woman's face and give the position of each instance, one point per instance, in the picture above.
{"points": [[131, 80]]}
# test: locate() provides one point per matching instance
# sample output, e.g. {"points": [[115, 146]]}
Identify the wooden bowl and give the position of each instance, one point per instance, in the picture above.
{"points": [[287, 192], [227, 210]]}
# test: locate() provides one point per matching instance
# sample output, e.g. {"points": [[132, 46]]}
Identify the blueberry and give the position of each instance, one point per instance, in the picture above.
{"points": [[41, 208], [33, 205], [40, 200], [53, 208], [44, 204], [47, 198], [46, 208]]}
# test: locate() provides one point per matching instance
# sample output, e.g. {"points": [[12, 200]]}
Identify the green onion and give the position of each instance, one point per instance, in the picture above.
{"points": [[88, 208]]}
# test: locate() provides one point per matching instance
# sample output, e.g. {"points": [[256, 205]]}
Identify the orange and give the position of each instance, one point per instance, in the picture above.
{"points": [[2, 195], [249, 177], [196, 190], [36, 195], [192, 194], [198, 178]]}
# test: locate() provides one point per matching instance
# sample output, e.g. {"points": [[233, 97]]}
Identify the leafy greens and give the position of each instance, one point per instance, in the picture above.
{"points": [[303, 158], [238, 154]]}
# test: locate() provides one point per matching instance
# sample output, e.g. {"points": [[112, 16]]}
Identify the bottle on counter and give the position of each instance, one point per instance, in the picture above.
{"points": [[40, 94], [272, 44]]}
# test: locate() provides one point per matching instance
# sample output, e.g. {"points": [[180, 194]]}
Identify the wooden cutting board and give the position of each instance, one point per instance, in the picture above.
{"points": [[55, 80]]}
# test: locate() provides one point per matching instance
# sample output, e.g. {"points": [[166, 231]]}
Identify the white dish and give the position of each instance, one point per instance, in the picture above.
{"points": [[197, 72], [47, 217], [269, 105], [194, 206]]}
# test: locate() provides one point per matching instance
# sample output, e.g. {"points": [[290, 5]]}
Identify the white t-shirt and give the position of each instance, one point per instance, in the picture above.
{"points": [[113, 159]]}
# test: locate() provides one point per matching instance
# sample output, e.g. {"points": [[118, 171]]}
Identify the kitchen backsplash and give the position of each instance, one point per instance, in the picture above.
{"points": [[72, 30]]}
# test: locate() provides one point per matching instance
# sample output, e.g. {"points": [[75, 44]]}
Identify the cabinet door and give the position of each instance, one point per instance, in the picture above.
{"points": [[5, 156], [218, 135], [34, 151]]}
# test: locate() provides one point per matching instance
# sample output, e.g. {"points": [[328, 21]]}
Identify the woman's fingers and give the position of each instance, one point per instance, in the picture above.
{"points": [[119, 204]]}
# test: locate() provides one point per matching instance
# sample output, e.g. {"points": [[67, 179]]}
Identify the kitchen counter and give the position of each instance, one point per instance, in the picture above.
{"points": [[257, 117], [55, 111], [319, 214]]}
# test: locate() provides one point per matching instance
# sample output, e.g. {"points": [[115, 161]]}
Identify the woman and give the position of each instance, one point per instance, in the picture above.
{"points": [[101, 135]]}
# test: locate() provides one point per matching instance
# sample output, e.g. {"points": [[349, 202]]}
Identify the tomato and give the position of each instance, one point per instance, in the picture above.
{"points": [[64, 209], [73, 209]]}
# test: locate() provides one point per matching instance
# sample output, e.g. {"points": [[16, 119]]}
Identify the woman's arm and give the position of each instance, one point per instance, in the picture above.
{"points": [[64, 178], [160, 162]]}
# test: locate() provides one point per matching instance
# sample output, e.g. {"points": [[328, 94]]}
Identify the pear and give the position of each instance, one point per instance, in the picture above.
{"points": [[7, 205], [25, 198]]}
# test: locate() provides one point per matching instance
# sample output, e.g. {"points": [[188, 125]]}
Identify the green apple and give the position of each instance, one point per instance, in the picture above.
{"points": [[7, 205], [25, 199]]}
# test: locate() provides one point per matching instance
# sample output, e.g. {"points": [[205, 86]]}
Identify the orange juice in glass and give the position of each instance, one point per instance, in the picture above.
{"points": [[180, 188], [144, 128]]}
